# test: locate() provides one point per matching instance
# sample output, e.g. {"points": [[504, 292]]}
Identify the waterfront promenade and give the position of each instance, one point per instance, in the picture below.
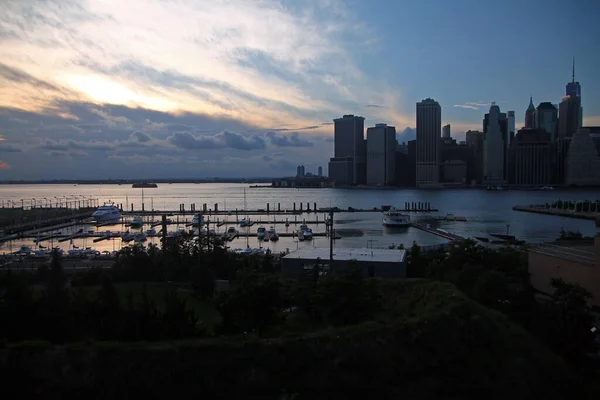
{"points": [[542, 209]]}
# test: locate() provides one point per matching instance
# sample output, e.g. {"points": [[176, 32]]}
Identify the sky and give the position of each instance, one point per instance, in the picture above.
{"points": [[108, 89]]}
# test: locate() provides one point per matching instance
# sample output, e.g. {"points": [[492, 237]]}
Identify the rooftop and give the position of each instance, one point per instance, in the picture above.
{"points": [[546, 105], [359, 254]]}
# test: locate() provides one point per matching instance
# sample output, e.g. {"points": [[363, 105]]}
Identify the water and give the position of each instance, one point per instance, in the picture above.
{"points": [[486, 211]]}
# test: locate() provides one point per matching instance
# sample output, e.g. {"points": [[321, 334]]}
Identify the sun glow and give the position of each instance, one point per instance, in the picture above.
{"points": [[103, 90]]}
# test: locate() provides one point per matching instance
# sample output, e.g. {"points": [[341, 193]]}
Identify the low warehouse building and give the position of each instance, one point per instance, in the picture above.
{"points": [[378, 263]]}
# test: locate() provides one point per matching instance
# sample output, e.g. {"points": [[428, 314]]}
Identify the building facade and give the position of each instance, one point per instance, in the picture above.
{"points": [[349, 141], [320, 171], [570, 116], [381, 155], [446, 131], [300, 171], [531, 158], [495, 139], [546, 118], [583, 158], [511, 126], [562, 149], [341, 170], [429, 123], [475, 143], [454, 171]]}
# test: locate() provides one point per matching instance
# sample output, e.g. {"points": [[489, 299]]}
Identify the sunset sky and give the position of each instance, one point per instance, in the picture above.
{"points": [[187, 88]]}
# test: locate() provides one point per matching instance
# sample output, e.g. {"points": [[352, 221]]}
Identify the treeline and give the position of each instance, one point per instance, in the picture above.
{"points": [[499, 279], [259, 303], [60, 315], [579, 206]]}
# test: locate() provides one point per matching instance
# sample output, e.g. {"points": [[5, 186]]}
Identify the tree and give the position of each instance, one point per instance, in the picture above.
{"points": [[254, 302], [178, 321], [569, 323], [345, 297]]}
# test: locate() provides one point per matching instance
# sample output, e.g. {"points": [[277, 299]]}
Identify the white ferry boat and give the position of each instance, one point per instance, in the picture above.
{"points": [[106, 212], [395, 218]]}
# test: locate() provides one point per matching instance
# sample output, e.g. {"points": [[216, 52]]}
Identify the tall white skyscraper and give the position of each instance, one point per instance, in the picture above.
{"points": [[495, 137], [381, 155], [446, 131], [429, 125]]}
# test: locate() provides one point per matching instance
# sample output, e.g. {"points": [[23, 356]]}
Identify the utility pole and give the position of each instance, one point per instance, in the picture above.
{"points": [[164, 244], [331, 234]]}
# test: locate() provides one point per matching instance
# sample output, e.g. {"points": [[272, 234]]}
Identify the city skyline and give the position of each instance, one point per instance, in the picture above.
{"points": [[95, 90]]}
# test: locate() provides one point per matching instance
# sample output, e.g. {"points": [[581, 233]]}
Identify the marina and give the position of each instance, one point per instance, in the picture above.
{"points": [[436, 217]]}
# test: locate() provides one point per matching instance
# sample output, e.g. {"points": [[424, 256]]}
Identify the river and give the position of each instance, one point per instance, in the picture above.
{"points": [[486, 211]]}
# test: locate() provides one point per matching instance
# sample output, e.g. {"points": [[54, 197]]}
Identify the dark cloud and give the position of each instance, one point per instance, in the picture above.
{"points": [[57, 153], [287, 140], [19, 76], [50, 144], [62, 145], [140, 137], [8, 148], [221, 140], [375, 106], [91, 141]]}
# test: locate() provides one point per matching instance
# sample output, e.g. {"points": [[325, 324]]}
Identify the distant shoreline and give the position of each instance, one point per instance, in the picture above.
{"points": [[132, 181]]}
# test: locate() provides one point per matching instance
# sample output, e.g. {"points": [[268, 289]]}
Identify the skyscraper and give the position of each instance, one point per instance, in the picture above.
{"points": [[546, 116], [381, 155], [429, 123], [530, 115], [570, 111], [349, 141], [320, 171], [495, 137], [475, 143], [446, 131], [511, 126]]}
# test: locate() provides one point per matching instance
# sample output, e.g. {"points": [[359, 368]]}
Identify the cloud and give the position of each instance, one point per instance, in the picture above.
{"points": [[466, 106], [406, 135], [140, 137], [7, 148], [219, 140], [472, 105], [374, 106], [287, 140], [14, 75], [4, 165], [302, 66]]}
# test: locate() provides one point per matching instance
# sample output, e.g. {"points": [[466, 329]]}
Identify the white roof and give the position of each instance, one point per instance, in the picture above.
{"points": [[359, 254]]}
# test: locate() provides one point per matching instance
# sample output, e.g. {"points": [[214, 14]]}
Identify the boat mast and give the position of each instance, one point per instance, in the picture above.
{"points": [[247, 220]]}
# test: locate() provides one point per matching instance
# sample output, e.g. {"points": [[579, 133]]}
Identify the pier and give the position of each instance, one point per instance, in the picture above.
{"points": [[438, 232]]}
